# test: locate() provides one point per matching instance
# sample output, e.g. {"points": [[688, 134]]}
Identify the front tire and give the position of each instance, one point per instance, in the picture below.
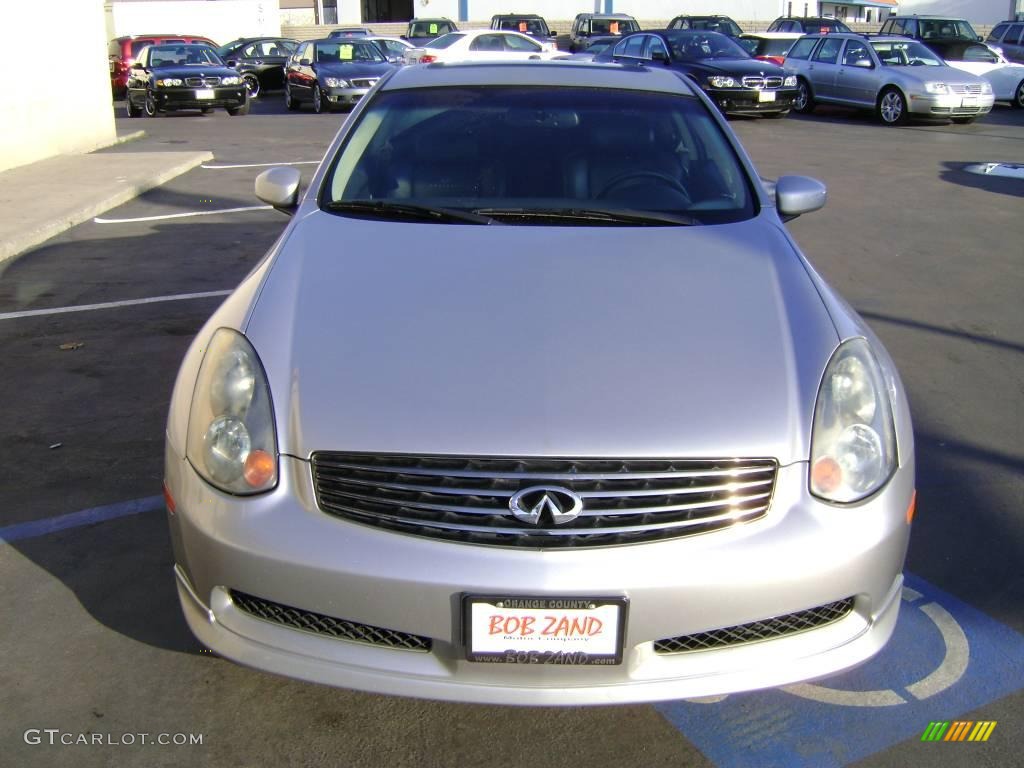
{"points": [[252, 84], [242, 110], [1017, 102], [289, 99], [132, 109], [804, 101], [150, 108], [318, 100], [892, 107]]}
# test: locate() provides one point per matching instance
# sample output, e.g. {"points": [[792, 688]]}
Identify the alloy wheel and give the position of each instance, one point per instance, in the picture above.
{"points": [[891, 108], [252, 84], [318, 100]]}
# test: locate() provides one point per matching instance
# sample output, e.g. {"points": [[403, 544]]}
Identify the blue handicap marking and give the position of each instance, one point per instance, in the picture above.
{"points": [[945, 658]]}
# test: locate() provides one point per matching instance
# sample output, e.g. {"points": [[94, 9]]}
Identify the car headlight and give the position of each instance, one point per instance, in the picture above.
{"points": [[853, 440], [167, 82], [721, 81], [986, 87], [231, 439], [231, 80], [789, 82], [336, 82], [936, 88]]}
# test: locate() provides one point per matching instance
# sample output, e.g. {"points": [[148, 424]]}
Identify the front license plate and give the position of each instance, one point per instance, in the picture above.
{"points": [[766, 95], [544, 630], [204, 93], [969, 101]]}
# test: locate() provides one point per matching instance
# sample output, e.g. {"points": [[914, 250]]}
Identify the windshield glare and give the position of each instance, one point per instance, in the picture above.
{"points": [[349, 51], [183, 55], [906, 54], [695, 46], [471, 148]]}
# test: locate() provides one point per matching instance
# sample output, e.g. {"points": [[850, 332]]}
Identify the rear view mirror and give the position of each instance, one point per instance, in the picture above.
{"points": [[279, 187], [796, 195]]}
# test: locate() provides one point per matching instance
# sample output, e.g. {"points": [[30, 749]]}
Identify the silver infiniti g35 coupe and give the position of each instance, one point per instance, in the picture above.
{"points": [[536, 401]]}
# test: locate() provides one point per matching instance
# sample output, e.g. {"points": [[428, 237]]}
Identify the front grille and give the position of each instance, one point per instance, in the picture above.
{"points": [[969, 88], [767, 629], [319, 624], [365, 82], [466, 499], [201, 82], [762, 82]]}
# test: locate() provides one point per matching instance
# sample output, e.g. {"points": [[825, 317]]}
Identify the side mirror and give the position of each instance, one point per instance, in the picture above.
{"points": [[659, 56], [304, 62], [403, 37], [796, 195], [552, 33], [232, 63], [137, 65], [279, 187], [864, 64]]}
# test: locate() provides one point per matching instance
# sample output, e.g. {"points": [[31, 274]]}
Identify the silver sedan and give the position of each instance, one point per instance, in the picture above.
{"points": [[576, 427], [895, 76]]}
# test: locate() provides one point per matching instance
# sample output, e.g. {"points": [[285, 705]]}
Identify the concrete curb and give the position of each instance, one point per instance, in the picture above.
{"points": [[29, 234]]}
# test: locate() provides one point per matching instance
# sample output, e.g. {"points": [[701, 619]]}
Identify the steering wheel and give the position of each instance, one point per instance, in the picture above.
{"points": [[631, 176]]}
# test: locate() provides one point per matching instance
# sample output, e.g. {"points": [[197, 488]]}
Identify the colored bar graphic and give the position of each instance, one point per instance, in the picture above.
{"points": [[958, 730]]}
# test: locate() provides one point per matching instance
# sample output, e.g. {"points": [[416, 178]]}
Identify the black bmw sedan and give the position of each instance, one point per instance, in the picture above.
{"points": [[167, 78], [259, 60], [737, 83]]}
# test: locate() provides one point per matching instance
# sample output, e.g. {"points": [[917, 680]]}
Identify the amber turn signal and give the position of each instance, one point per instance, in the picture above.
{"points": [[259, 468]]}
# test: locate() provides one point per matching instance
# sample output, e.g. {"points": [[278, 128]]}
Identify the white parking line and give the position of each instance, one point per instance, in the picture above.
{"points": [[258, 165], [183, 215], [110, 305]]}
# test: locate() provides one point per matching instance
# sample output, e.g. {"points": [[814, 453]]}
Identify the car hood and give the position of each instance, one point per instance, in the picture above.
{"points": [[353, 69], [517, 340], [192, 70], [741, 67]]}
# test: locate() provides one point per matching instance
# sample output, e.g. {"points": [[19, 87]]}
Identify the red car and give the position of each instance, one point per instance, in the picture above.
{"points": [[122, 51]]}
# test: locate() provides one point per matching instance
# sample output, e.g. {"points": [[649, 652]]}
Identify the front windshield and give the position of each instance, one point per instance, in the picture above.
{"points": [[946, 29], [725, 26], [535, 27], [475, 149], [183, 56], [905, 54], [695, 46], [363, 52], [613, 26], [429, 28]]}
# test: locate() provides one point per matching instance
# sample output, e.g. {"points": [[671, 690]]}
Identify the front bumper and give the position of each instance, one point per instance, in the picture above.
{"points": [[751, 101], [951, 105], [170, 99], [344, 97], [281, 548]]}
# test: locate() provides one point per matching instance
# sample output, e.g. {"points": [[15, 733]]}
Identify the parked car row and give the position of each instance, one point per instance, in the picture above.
{"points": [[765, 73]]}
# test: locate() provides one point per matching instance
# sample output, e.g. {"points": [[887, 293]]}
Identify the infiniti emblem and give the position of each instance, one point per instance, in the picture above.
{"points": [[545, 505]]}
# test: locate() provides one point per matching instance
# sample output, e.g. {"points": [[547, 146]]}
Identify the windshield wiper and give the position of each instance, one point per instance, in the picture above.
{"points": [[590, 215], [391, 210]]}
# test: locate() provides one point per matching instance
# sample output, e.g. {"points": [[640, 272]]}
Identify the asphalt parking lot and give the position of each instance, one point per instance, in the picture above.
{"points": [[95, 644]]}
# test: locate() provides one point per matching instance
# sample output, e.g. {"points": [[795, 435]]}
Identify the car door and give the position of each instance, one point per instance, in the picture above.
{"points": [[1013, 43], [857, 74], [300, 74], [822, 69]]}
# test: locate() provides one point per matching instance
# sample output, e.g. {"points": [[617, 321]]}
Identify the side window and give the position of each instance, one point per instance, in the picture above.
{"points": [[1015, 35], [657, 49], [829, 51], [488, 43], [519, 44], [855, 51], [633, 47], [306, 52], [996, 33], [802, 48], [249, 52]]}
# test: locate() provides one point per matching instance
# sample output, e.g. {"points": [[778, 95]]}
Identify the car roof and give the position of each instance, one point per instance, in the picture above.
{"points": [[774, 35], [604, 16], [924, 16], [517, 16], [576, 74], [340, 40]]}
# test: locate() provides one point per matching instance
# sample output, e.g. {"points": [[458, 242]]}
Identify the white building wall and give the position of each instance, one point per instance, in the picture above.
{"points": [[219, 20], [40, 122], [976, 11]]}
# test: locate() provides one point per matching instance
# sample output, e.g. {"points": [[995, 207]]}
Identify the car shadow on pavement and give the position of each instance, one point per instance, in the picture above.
{"points": [[957, 173]]}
